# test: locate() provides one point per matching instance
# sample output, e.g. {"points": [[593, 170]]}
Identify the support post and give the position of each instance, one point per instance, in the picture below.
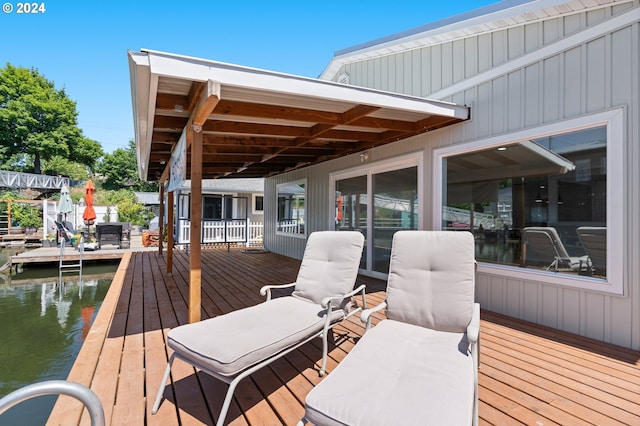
{"points": [[161, 218], [170, 233], [195, 261]]}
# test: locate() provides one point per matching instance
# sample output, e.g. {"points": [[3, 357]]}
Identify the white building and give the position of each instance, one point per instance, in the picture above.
{"points": [[553, 90]]}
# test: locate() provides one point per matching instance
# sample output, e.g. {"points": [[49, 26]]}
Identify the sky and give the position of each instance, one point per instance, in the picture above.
{"points": [[81, 46]]}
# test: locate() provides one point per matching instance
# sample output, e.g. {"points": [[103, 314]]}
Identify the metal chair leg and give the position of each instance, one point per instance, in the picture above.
{"points": [[163, 385]]}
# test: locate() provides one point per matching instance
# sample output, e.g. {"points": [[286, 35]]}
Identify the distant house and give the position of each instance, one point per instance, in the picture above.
{"points": [[226, 204], [149, 199], [384, 141]]}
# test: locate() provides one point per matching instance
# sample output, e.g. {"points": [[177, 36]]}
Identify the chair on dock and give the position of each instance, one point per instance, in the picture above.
{"points": [[64, 231], [420, 365], [230, 347], [107, 233]]}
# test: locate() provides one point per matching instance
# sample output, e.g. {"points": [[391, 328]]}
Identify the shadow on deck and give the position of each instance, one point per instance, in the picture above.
{"points": [[529, 374]]}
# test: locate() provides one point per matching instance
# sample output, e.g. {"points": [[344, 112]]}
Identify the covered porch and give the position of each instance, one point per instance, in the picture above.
{"points": [[529, 374]]}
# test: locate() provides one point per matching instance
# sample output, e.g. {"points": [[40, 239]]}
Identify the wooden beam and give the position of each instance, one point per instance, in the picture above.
{"points": [[277, 112], [195, 249], [194, 95], [209, 98]]}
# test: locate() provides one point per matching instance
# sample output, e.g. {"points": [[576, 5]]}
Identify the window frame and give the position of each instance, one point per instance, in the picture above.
{"points": [[414, 159], [254, 198], [303, 234], [614, 122]]}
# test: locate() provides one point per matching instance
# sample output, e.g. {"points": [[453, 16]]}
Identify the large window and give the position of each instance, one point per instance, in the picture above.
{"points": [[291, 208], [539, 204]]}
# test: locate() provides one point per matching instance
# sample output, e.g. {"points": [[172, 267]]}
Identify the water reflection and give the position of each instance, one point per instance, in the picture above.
{"points": [[43, 328]]}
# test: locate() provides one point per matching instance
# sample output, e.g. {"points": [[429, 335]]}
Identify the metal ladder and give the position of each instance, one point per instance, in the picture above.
{"points": [[58, 387], [70, 267]]}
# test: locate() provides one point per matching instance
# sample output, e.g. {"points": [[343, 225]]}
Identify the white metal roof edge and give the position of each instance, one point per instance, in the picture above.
{"points": [[470, 23], [184, 67], [139, 76]]}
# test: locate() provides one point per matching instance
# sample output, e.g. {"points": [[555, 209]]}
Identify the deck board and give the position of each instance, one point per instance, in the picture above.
{"points": [[529, 374]]}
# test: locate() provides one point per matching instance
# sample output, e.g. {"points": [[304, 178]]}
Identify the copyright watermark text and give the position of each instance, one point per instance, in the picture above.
{"points": [[33, 8]]}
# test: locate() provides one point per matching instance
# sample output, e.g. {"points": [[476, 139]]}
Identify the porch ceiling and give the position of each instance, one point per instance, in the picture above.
{"points": [[264, 123]]}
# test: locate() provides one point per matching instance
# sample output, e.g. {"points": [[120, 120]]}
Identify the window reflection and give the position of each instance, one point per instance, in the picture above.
{"points": [[536, 204], [291, 208]]}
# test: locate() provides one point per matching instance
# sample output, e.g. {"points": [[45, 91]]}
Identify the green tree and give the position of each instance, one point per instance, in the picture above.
{"points": [[120, 170], [129, 210], [39, 122], [62, 166]]}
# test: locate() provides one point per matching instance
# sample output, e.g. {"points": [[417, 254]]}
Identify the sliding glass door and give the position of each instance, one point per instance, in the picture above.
{"points": [[395, 208], [378, 201]]}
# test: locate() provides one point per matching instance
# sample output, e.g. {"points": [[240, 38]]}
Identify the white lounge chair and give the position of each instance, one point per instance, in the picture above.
{"points": [[420, 365], [542, 245], [230, 347]]}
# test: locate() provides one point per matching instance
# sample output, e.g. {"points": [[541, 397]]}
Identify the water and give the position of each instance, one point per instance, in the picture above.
{"points": [[42, 327]]}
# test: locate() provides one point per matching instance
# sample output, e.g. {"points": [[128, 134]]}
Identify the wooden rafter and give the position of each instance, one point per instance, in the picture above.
{"points": [[242, 137]]}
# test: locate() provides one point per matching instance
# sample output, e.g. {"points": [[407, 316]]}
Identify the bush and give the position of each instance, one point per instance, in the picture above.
{"points": [[136, 213], [25, 215]]}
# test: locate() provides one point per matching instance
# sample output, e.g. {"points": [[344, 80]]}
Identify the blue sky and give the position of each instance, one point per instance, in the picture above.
{"points": [[82, 46]]}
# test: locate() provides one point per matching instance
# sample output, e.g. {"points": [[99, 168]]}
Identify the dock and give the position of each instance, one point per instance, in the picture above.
{"points": [[21, 240], [529, 374], [44, 255]]}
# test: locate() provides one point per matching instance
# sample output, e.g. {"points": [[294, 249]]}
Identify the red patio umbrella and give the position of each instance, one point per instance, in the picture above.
{"points": [[89, 214]]}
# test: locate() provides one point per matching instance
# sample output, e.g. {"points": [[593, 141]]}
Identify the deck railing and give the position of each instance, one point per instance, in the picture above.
{"points": [[222, 231]]}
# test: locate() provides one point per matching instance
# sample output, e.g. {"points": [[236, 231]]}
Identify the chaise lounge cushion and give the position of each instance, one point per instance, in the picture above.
{"points": [[230, 343], [431, 280], [380, 382], [328, 267]]}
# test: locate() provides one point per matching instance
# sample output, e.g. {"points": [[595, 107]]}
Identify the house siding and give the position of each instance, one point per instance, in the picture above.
{"points": [[598, 74]]}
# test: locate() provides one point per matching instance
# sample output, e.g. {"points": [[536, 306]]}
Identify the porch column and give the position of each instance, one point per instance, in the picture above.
{"points": [[170, 233], [195, 271], [161, 218]]}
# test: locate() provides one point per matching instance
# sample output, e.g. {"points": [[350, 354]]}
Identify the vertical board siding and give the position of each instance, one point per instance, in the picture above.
{"points": [[595, 69], [572, 80], [600, 74]]}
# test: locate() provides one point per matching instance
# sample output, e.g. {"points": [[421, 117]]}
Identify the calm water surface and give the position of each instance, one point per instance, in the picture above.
{"points": [[42, 326]]}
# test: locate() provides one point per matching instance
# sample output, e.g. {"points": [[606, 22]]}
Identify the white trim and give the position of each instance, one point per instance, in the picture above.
{"points": [[562, 45], [414, 159], [253, 204], [257, 80], [470, 24], [614, 120]]}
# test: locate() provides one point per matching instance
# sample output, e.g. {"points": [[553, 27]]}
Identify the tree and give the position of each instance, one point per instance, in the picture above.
{"points": [[129, 210], [61, 166], [120, 170], [39, 122]]}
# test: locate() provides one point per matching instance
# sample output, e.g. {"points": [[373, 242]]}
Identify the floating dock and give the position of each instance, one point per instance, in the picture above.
{"points": [[44, 255]]}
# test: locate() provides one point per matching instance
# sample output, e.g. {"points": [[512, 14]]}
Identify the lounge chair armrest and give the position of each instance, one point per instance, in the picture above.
{"points": [[327, 300], [473, 329], [365, 316], [266, 290]]}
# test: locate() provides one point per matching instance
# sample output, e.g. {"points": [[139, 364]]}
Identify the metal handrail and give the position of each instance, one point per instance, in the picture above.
{"points": [[57, 387]]}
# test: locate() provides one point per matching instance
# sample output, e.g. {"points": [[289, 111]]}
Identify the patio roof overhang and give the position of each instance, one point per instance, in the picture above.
{"points": [[258, 123]]}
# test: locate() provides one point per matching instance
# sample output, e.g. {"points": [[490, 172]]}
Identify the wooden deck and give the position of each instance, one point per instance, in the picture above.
{"points": [[529, 374]]}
